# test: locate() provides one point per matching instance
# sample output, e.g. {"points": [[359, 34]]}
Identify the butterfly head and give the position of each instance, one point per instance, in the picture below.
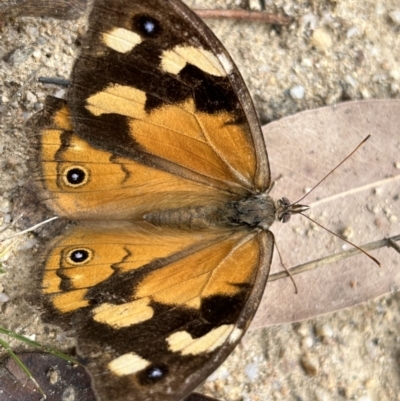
{"points": [[284, 209]]}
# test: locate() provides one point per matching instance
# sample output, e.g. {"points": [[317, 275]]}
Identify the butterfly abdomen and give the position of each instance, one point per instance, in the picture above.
{"points": [[187, 218]]}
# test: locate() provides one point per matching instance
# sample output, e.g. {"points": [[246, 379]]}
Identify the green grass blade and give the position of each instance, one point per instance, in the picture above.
{"points": [[18, 361], [35, 344]]}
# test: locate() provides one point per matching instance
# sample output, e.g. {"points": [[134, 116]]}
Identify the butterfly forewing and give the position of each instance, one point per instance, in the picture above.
{"points": [[88, 183], [154, 84]]}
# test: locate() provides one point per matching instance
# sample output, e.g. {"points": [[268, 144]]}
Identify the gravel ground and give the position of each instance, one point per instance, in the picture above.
{"points": [[334, 51]]}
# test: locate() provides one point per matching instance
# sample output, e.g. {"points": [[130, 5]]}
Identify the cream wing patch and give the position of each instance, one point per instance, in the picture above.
{"points": [[124, 315], [121, 40], [118, 99], [128, 364], [184, 343], [173, 61]]}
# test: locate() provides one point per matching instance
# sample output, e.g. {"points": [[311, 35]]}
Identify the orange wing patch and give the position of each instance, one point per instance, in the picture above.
{"points": [[111, 187], [220, 269], [110, 250], [210, 144]]}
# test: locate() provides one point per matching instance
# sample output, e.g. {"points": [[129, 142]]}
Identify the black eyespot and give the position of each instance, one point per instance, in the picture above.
{"points": [[75, 176], [153, 374], [147, 26], [79, 256]]}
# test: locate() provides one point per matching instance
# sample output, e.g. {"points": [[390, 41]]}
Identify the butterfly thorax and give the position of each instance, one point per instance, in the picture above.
{"points": [[254, 211]]}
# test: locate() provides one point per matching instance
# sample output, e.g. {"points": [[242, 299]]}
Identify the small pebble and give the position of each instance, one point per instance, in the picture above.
{"points": [[18, 56], [321, 39], [27, 244], [394, 15], [350, 80], [6, 218], [347, 232], [307, 342], [60, 94], [306, 62], [309, 20], [255, 5], [352, 32], [297, 92], [53, 376], [321, 395], [4, 297], [310, 364], [323, 330], [394, 88], [37, 54], [365, 398], [30, 97], [251, 371], [31, 337], [366, 94], [395, 74], [5, 206], [304, 329]]}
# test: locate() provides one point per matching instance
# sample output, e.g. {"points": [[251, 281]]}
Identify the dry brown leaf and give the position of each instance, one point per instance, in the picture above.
{"points": [[55, 376], [361, 200]]}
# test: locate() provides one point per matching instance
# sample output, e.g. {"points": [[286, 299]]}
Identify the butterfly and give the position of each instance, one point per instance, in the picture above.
{"points": [[158, 155]]}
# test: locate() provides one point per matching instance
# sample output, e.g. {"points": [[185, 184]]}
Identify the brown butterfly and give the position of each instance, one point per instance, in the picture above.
{"points": [[159, 150]]}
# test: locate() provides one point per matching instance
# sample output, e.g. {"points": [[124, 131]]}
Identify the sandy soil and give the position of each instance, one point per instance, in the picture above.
{"points": [[333, 51]]}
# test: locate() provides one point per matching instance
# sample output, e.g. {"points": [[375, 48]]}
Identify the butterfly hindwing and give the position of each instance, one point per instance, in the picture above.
{"points": [[155, 311]]}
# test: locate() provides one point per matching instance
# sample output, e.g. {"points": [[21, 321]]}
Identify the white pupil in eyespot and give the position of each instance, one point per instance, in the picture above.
{"points": [[149, 26], [75, 176], [78, 255], [155, 373]]}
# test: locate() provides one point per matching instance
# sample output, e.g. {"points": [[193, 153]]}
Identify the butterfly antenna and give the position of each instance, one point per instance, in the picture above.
{"points": [[343, 239], [287, 270], [324, 178], [295, 208]]}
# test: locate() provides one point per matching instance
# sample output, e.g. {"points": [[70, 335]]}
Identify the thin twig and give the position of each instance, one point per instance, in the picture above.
{"points": [[393, 245], [29, 229], [334, 258], [286, 269], [258, 16]]}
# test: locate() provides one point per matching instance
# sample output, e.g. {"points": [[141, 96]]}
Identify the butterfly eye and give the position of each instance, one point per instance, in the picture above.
{"points": [[147, 26], [75, 176], [79, 256], [285, 201], [284, 218]]}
